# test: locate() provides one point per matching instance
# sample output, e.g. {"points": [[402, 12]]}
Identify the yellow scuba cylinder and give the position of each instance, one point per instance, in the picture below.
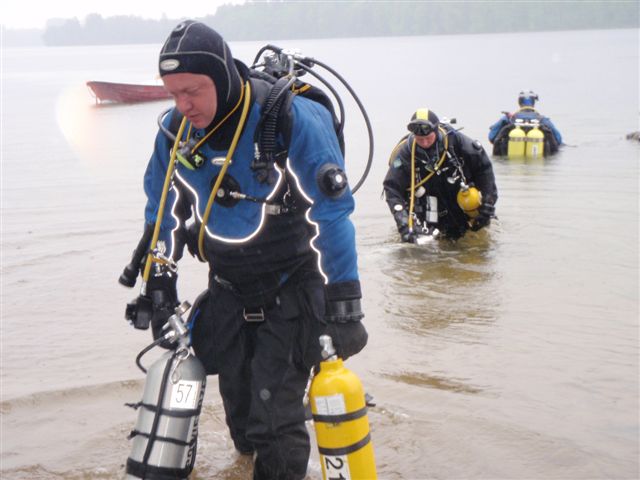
{"points": [[516, 145], [535, 143], [340, 420], [469, 199]]}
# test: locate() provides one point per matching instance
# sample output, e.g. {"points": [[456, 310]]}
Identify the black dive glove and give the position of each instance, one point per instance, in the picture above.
{"points": [[155, 307], [164, 299], [343, 315], [409, 237], [402, 218], [485, 213], [402, 221]]}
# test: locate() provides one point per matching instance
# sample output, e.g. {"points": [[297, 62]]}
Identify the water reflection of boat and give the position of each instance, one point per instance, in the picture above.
{"points": [[126, 92]]}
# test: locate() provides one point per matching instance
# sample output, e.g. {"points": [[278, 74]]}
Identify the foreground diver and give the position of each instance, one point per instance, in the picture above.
{"points": [[430, 170], [279, 244], [526, 116]]}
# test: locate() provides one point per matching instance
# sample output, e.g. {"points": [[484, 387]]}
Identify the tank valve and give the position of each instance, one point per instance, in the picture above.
{"points": [[328, 352], [176, 326]]}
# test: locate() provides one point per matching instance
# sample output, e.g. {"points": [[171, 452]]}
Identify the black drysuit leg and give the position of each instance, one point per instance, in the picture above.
{"points": [[263, 371]]}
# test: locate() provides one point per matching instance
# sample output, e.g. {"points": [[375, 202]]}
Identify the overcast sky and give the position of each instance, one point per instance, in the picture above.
{"points": [[34, 14]]}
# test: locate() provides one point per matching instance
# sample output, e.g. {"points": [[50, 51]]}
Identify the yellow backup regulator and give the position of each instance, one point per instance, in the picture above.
{"points": [[469, 200], [340, 419]]}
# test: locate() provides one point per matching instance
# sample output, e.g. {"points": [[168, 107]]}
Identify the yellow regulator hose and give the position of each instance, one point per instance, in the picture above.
{"points": [[163, 201], [223, 171]]}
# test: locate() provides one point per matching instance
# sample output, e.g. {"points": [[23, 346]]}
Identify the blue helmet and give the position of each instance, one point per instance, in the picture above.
{"points": [[527, 99]]}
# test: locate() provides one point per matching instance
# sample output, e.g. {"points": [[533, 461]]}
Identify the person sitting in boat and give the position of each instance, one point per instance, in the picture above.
{"points": [[440, 182], [526, 117]]}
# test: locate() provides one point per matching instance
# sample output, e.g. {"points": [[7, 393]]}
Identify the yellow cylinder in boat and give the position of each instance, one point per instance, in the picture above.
{"points": [[469, 200], [535, 143], [341, 423], [516, 145]]}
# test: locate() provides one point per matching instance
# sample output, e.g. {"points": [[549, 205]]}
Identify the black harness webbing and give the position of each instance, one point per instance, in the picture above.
{"points": [[156, 419], [150, 472], [335, 452], [267, 130], [341, 418], [159, 438], [163, 411]]}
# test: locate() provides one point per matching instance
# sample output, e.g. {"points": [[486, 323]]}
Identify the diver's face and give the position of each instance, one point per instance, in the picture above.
{"points": [[425, 141], [195, 96]]}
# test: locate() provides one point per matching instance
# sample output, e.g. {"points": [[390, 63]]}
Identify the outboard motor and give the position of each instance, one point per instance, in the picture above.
{"points": [[166, 431]]}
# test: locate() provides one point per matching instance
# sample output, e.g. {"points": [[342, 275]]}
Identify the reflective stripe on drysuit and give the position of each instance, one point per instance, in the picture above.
{"points": [[313, 144]]}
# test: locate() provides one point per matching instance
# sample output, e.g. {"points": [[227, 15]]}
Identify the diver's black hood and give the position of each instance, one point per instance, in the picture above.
{"points": [[193, 47]]}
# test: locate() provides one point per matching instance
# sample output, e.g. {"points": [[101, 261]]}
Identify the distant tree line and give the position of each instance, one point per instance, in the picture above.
{"points": [[273, 20], [97, 30], [285, 20]]}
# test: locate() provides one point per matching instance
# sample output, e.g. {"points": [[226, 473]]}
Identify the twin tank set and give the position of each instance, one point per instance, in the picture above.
{"points": [[525, 140]]}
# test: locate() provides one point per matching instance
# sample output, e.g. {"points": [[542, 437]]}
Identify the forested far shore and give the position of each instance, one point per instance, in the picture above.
{"points": [[278, 20]]}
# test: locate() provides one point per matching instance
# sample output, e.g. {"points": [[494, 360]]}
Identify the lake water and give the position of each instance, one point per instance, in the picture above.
{"points": [[511, 354]]}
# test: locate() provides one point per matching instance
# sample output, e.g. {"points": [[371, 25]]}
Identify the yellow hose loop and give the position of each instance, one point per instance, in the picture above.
{"points": [[440, 162], [412, 195], [413, 186], [223, 171], [163, 201], [204, 139]]}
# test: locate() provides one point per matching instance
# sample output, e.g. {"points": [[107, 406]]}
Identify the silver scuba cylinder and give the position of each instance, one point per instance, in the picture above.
{"points": [[166, 431]]}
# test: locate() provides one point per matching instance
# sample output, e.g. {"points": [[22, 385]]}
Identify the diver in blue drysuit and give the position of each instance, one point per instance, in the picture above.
{"points": [[281, 252], [499, 131]]}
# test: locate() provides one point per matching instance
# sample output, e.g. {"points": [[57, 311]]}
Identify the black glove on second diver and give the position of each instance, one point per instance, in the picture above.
{"points": [[409, 237], [343, 315], [485, 213], [402, 221]]}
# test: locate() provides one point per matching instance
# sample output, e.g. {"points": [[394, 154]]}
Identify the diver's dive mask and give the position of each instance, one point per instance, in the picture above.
{"points": [[421, 127]]}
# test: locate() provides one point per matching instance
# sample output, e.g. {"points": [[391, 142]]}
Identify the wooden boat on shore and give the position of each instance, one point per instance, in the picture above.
{"points": [[126, 92]]}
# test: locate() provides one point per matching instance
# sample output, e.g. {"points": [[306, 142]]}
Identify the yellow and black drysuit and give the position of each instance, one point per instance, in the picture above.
{"points": [[439, 171]]}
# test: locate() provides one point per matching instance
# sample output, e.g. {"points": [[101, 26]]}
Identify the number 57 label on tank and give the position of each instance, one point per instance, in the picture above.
{"points": [[184, 395]]}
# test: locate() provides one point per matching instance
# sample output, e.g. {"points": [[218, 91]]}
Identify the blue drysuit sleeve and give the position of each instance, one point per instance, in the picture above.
{"points": [[496, 127], [556, 133], [314, 144], [154, 178]]}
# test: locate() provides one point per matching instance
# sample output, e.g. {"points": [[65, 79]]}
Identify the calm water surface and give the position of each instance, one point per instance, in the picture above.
{"points": [[512, 354]]}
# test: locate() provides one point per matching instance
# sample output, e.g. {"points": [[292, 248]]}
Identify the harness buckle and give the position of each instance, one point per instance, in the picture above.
{"points": [[253, 315], [273, 209]]}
